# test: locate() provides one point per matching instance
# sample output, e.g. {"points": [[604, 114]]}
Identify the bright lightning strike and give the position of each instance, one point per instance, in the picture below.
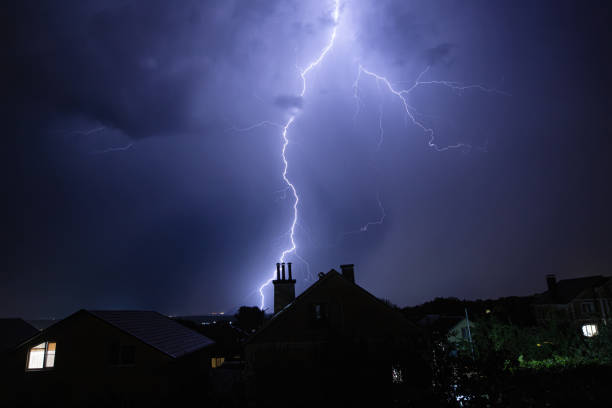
{"points": [[296, 199], [403, 94]]}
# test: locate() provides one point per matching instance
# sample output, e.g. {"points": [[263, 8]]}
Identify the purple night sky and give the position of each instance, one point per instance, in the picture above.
{"points": [[141, 184]]}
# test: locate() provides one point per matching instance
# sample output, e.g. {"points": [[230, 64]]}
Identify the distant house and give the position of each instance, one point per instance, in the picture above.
{"points": [[108, 358], [587, 302], [453, 328], [461, 331], [13, 332], [334, 341]]}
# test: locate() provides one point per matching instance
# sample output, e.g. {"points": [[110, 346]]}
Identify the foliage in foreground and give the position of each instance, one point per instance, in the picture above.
{"points": [[525, 366], [558, 346]]}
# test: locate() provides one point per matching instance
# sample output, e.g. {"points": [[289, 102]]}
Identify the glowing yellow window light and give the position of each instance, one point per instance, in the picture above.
{"points": [[42, 356]]}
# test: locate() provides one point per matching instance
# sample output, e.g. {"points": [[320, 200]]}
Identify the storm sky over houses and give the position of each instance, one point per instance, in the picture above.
{"points": [[143, 184]]}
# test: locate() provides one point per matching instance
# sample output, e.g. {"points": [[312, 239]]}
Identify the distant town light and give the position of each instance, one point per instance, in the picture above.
{"points": [[589, 330]]}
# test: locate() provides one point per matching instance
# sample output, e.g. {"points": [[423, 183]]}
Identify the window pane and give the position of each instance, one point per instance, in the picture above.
{"points": [[589, 330], [36, 356], [50, 359]]}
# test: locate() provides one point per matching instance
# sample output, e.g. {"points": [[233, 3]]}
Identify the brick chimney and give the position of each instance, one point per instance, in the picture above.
{"points": [[348, 272], [284, 289]]}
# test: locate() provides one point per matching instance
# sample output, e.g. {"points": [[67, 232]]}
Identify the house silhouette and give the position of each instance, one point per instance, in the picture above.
{"points": [[333, 344]]}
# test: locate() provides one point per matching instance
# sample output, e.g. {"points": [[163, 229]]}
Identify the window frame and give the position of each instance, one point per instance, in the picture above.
{"points": [[587, 307], [590, 330], [117, 353], [44, 367], [319, 316], [216, 362]]}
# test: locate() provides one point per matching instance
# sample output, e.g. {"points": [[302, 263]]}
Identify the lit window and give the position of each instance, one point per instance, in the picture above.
{"points": [[216, 362], [41, 356], [589, 330], [396, 375]]}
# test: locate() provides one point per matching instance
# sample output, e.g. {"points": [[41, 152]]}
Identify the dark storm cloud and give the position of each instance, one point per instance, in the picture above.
{"points": [[402, 30], [134, 67], [194, 222], [289, 101], [441, 53]]}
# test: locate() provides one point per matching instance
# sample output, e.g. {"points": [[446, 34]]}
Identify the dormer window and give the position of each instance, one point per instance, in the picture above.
{"points": [[41, 356]]}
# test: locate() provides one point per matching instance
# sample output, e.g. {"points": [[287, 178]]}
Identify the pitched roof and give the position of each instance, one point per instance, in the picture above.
{"points": [[567, 290], [156, 330], [332, 274], [13, 332]]}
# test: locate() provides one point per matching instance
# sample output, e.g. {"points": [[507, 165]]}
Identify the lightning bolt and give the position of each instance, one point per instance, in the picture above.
{"points": [[82, 132], [113, 149], [381, 219], [296, 199], [365, 227], [410, 115], [403, 94]]}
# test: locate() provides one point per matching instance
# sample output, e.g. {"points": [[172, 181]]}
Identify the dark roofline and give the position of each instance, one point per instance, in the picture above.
{"points": [[92, 313], [42, 332], [328, 275], [15, 347], [546, 298], [284, 309]]}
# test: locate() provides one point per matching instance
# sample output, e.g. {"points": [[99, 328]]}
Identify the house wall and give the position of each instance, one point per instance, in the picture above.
{"points": [[349, 355], [83, 373], [600, 299], [456, 333]]}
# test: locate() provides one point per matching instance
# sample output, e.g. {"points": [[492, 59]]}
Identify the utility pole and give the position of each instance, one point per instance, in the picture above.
{"points": [[467, 320]]}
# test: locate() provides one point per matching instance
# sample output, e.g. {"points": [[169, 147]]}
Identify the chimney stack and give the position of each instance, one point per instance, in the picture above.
{"points": [[551, 281], [348, 272], [284, 289]]}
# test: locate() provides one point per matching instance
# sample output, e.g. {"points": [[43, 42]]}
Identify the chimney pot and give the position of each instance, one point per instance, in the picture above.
{"points": [[348, 272], [277, 271], [284, 289]]}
